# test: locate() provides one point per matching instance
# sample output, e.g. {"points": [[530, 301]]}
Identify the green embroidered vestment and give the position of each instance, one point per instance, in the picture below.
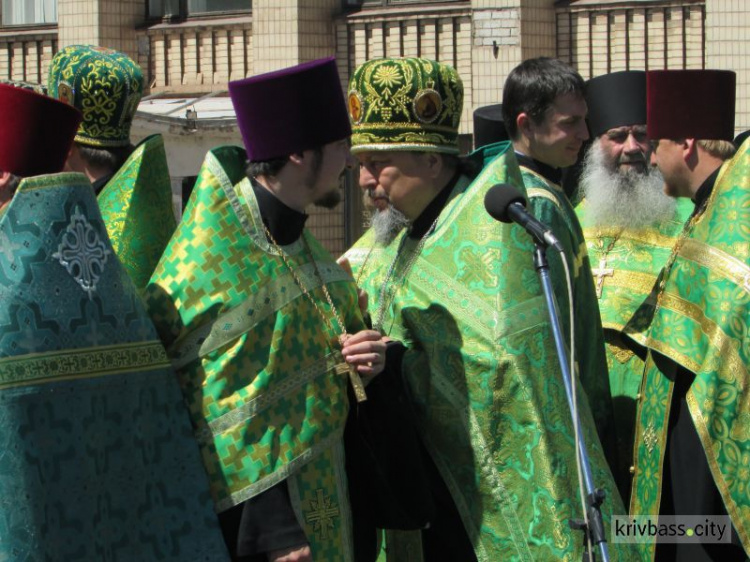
{"points": [[628, 261], [701, 324], [549, 204], [136, 205], [254, 358], [484, 377], [98, 457]]}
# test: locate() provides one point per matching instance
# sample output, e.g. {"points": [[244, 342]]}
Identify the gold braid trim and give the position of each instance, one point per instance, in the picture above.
{"points": [[650, 237], [717, 262], [538, 192], [731, 368], [739, 523], [91, 362]]}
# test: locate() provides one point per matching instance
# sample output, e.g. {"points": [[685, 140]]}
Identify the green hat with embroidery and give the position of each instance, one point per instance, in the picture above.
{"points": [[405, 104], [105, 85]]}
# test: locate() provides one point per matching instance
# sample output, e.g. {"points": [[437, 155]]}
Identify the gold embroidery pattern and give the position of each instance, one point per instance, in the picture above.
{"points": [[621, 353], [738, 516], [650, 437], [647, 237], [718, 262], [284, 390], [322, 514], [79, 363], [731, 367]]}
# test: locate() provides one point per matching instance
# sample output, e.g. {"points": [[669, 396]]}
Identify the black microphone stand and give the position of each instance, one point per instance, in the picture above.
{"points": [[595, 529]]}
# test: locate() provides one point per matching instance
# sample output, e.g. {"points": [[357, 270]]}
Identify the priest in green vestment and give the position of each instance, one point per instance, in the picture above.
{"points": [[460, 291], [254, 313], [544, 111], [131, 182], [630, 226], [692, 445], [97, 460]]}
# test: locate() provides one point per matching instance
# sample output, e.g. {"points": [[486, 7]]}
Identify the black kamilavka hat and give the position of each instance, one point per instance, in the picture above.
{"points": [[616, 100]]}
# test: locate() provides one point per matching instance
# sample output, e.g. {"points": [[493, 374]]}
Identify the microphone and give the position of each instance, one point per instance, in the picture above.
{"points": [[505, 203]]}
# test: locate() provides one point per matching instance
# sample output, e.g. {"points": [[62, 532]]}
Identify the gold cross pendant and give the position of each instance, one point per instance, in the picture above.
{"points": [[354, 378]]}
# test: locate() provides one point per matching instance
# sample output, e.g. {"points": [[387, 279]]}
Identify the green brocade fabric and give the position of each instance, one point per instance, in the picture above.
{"points": [[136, 205], [549, 204], [628, 261], [484, 377], [701, 323], [97, 457], [253, 356]]}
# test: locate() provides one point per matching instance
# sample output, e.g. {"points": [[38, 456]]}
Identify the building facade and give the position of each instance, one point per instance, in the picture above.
{"points": [[190, 49]]}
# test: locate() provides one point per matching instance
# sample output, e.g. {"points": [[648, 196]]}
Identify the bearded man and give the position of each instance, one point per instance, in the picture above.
{"points": [[630, 226], [459, 290], [262, 324]]}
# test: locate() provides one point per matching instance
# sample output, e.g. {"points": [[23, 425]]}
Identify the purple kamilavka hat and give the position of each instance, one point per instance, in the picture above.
{"points": [[290, 110]]}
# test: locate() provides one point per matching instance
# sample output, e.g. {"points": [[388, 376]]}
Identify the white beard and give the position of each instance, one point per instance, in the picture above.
{"points": [[633, 199], [387, 224]]}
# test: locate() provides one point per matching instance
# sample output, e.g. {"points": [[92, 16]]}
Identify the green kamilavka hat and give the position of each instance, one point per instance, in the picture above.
{"points": [[105, 85], [405, 104]]}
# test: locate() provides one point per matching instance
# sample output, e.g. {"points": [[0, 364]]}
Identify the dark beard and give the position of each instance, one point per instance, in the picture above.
{"points": [[330, 200]]}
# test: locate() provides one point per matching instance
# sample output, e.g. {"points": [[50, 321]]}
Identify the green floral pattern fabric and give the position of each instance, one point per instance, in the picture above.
{"points": [[628, 261], [701, 324], [136, 205], [484, 377]]}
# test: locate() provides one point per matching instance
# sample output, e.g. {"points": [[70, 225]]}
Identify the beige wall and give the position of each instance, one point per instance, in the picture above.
{"points": [[727, 47], [495, 50], [110, 23], [288, 32], [537, 28], [484, 39]]}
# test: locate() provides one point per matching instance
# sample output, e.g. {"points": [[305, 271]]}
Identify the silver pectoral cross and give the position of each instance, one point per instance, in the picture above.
{"points": [[600, 273]]}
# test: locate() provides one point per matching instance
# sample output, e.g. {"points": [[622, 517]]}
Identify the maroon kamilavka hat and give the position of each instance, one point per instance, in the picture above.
{"points": [[290, 110], [694, 104], [36, 132]]}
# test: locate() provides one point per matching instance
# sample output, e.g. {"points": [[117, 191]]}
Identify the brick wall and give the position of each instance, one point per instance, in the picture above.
{"points": [[727, 24]]}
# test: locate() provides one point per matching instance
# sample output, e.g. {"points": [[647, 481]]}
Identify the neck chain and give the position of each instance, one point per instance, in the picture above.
{"points": [[604, 252], [686, 230], [388, 290], [356, 381]]}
